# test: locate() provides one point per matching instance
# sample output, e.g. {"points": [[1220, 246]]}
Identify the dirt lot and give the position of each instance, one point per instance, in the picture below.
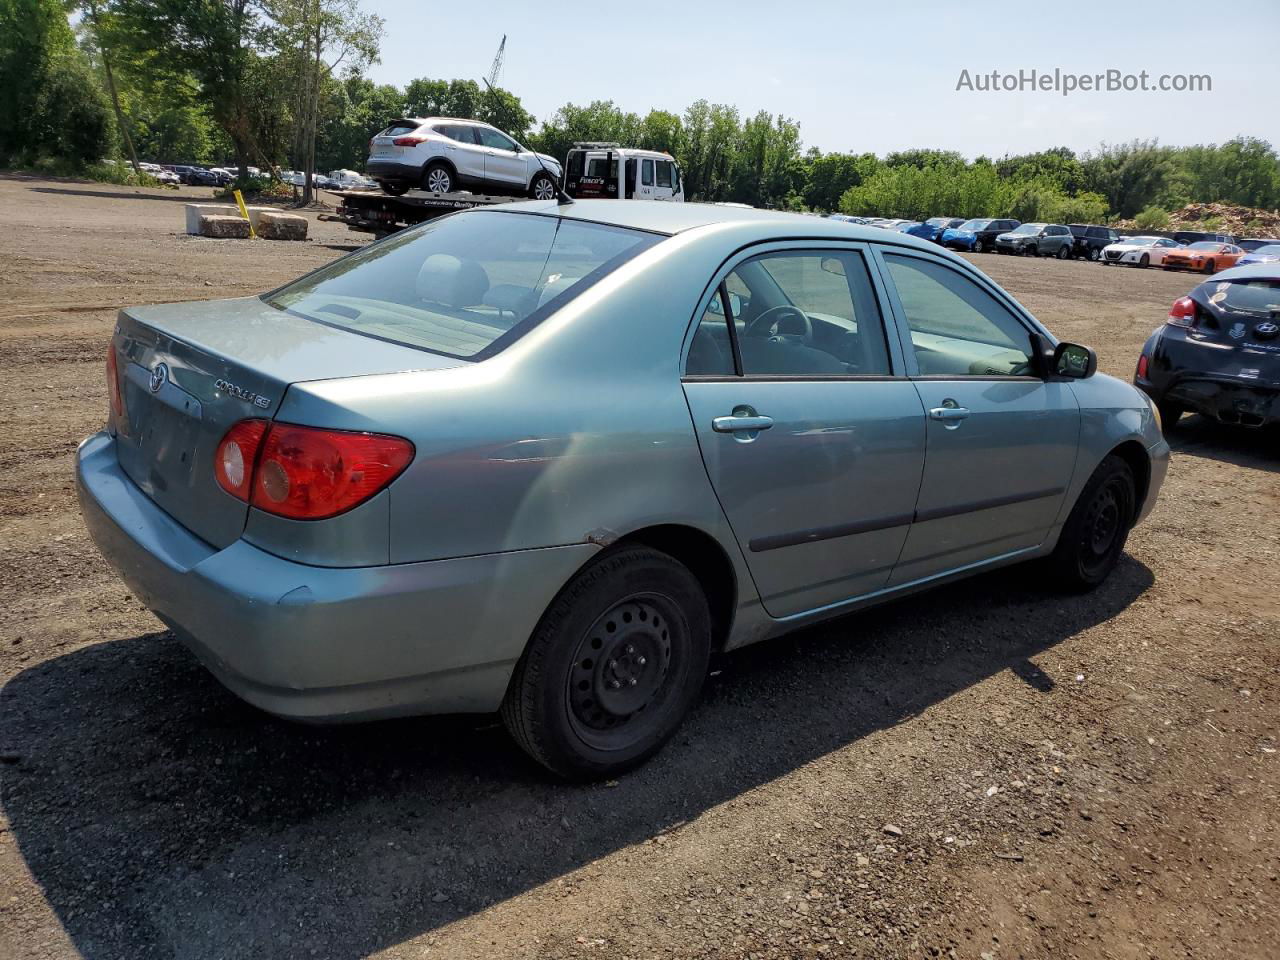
{"points": [[989, 771]]}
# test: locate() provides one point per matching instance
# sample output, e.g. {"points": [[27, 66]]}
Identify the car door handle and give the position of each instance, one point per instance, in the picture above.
{"points": [[739, 424], [949, 413]]}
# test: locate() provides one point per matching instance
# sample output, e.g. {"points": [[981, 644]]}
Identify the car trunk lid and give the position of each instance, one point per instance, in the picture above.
{"points": [[187, 372]]}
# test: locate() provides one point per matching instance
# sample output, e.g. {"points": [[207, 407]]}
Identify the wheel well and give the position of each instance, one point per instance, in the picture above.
{"points": [[444, 162], [1133, 453], [707, 561]]}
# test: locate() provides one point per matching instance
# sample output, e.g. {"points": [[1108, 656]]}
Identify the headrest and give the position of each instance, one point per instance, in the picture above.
{"points": [[556, 287], [447, 279]]}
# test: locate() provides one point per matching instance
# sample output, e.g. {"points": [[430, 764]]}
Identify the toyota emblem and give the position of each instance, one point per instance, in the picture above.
{"points": [[159, 375]]}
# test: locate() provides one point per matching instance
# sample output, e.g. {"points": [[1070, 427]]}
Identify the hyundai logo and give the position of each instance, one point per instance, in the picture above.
{"points": [[159, 376], [1266, 329]]}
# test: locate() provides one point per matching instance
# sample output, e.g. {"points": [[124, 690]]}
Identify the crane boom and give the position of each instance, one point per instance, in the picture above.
{"points": [[496, 70]]}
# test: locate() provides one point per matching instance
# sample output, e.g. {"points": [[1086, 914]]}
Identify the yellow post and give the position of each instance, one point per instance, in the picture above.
{"points": [[244, 211]]}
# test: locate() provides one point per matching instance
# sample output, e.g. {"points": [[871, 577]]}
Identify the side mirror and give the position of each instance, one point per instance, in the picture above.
{"points": [[1074, 361]]}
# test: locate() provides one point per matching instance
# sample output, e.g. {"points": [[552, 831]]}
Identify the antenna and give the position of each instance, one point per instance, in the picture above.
{"points": [[495, 71], [561, 197]]}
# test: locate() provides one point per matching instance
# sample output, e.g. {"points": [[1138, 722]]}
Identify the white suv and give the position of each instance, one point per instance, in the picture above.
{"points": [[441, 155]]}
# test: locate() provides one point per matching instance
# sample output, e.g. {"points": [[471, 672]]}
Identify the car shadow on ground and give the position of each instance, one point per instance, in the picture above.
{"points": [[1257, 448], [160, 816]]}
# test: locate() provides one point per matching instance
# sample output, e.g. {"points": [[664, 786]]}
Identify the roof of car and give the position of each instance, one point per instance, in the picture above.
{"points": [[1251, 271], [673, 218]]}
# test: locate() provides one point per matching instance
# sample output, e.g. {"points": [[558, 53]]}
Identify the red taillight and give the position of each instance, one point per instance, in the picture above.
{"points": [[1182, 313], [113, 381], [410, 141], [1143, 363], [236, 454], [306, 473]]}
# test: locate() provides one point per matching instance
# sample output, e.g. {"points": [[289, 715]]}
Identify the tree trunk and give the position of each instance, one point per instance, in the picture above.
{"points": [[121, 122]]}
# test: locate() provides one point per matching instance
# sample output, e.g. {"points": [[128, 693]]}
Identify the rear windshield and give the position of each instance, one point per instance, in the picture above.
{"points": [[464, 285], [398, 127], [1260, 296]]}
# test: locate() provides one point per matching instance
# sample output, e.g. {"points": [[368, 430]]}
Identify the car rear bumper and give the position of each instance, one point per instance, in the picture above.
{"points": [[317, 643], [1247, 401], [394, 170]]}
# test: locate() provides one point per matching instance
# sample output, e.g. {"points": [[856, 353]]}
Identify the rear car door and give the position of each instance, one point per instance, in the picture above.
{"points": [[812, 437], [503, 165], [1001, 442], [462, 148]]}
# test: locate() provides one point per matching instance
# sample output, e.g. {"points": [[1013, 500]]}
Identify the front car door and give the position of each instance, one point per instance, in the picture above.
{"points": [[645, 186], [1001, 440], [812, 437], [503, 164], [663, 180]]}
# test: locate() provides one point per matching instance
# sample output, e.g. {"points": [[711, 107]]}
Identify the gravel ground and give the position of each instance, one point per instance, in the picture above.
{"points": [[988, 771]]}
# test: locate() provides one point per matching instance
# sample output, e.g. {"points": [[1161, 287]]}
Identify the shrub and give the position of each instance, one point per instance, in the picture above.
{"points": [[1151, 218]]}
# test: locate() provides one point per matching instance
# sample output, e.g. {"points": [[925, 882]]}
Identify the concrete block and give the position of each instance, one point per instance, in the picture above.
{"points": [[212, 225], [195, 211], [281, 226]]}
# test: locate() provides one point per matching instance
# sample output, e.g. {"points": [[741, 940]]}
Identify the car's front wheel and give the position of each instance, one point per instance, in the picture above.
{"points": [[542, 187], [1095, 254], [1144, 261], [1094, 535], [979, 247], [613, 666]]}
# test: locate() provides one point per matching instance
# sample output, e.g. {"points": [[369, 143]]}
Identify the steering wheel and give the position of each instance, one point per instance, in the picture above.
{"points": [[762, 326]]}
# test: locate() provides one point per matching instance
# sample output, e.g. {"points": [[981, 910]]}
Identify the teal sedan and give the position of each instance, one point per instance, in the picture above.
{"points": [[545, 459]]}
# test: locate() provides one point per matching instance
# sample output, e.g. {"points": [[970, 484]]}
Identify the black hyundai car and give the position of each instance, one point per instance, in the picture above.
{"points": [[1218, 353]]}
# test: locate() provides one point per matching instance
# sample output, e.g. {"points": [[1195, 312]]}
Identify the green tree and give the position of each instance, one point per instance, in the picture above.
{"points": [[1129, 175]]}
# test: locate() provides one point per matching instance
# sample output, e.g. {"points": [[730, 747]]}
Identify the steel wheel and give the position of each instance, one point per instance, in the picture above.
{"points": [[1094, 535], [621, 669]]}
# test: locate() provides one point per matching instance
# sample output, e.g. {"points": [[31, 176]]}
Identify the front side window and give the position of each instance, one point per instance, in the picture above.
{"points": [[495, 140], [957, 328], [465, 284], [646, 173], [797, 314]]}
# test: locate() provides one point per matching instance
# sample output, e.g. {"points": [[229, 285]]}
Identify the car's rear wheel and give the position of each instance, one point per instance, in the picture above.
{"points": [[1094, 535], [437, 178], [1170, 414], [1064, 253], [1144, 261], [613, 666], [395, 189], [543, 187]]}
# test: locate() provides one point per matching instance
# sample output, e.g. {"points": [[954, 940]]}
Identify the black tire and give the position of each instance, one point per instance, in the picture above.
{"points": [[438, 178], [1208, 266], [1144, 261], [1094, 535], [395, 189], [979, 247], [1064, 252], [613, 666], [542, 186], [1095, 254], [1170, 414]]}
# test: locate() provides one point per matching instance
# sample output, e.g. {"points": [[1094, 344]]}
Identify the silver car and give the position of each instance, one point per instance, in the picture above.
{"points": [[547, 458], [443, 154]]}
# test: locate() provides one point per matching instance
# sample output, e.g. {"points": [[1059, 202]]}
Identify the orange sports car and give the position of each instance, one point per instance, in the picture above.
{"points": [[1205, 256]]}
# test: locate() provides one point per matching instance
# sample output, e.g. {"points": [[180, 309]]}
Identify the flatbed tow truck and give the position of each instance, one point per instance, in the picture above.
{"points": [[372, 211]]}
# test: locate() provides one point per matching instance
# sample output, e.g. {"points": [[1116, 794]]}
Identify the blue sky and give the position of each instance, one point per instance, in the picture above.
{"points": [[861, 77]]}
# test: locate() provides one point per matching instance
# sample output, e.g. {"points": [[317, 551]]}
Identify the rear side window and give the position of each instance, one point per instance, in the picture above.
{"points": [[464, 285], [646, 173]]}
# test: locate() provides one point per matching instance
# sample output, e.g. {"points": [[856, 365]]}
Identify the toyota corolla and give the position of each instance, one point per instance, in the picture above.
{"points": [[547, 458]]}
